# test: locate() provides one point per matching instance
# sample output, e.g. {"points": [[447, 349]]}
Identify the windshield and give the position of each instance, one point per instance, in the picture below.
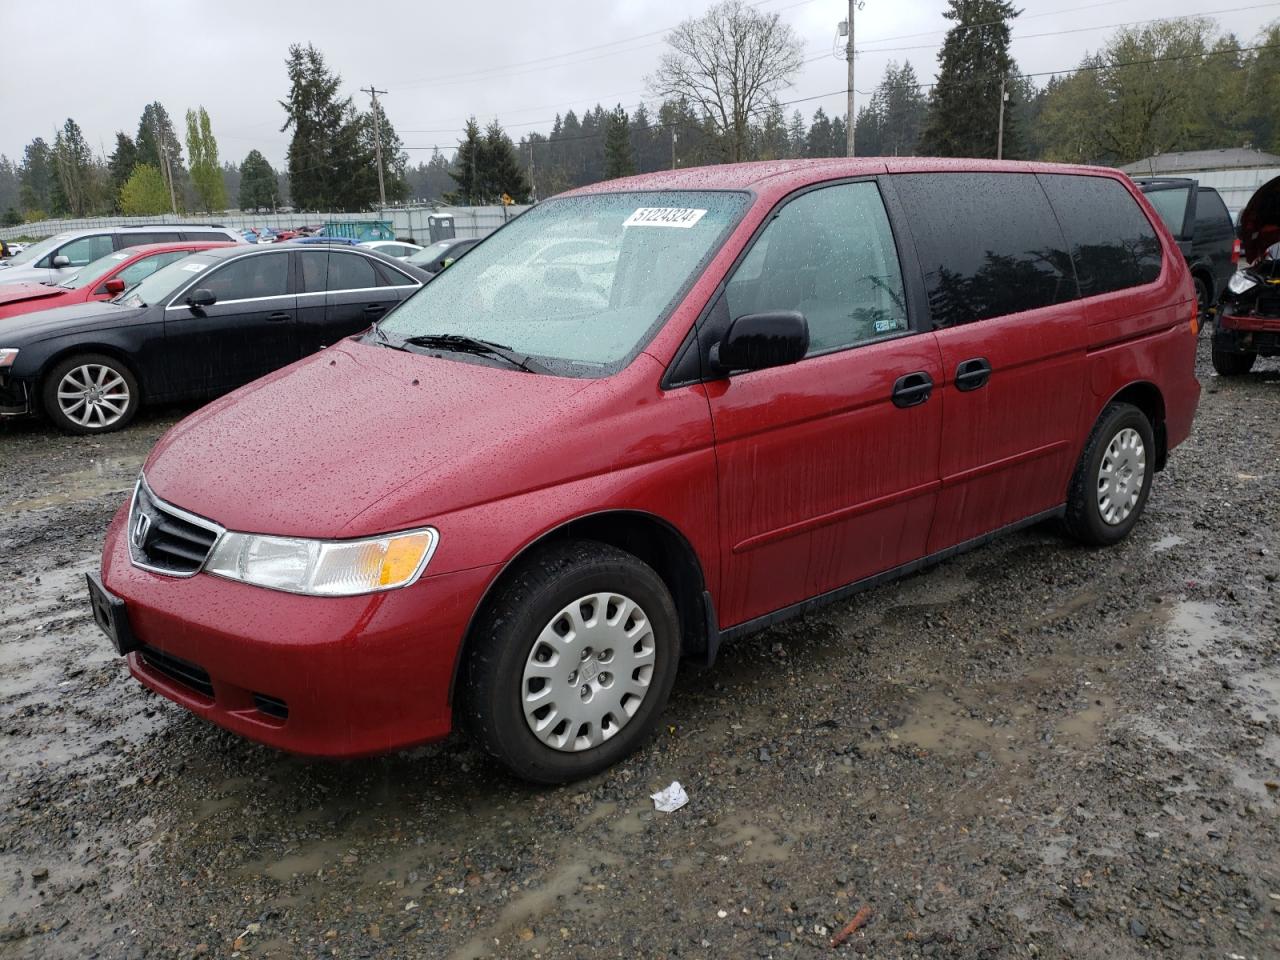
{"points": [[93, 271], [165, 281], [579, 283], [38, 250]]}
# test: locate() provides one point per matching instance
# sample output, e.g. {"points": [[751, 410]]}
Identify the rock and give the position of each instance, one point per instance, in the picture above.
{"points": [[1138, 929], [526, 935]]}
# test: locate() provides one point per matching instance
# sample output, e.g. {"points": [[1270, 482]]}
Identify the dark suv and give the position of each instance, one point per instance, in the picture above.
{"points": [[1199, 221]]}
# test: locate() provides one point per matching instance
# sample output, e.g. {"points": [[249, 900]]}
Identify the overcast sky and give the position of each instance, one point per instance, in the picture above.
{"points": [[101, 62]]}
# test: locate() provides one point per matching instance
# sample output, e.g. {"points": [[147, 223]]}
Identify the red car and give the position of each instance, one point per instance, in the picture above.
{"points": [[101, 279], [723, 397]]}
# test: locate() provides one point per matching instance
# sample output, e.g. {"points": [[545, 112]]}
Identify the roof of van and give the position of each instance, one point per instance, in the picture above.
{"points": [[1189, 161], [788, 174]]}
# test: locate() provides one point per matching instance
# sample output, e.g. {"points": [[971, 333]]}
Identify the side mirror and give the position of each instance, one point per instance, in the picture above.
{"points": [[760, 340], [115, 287], [201, 297], [61, 261]]}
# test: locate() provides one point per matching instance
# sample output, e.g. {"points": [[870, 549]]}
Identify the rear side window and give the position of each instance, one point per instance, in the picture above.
{"points": [[249, 278], [988, 244], [139, 270], [828, 254], [391, 277], [211, 236], [1212, 219], [1112, 242], [137, 239], [315, 264], [350, 271], [1171, 204]]}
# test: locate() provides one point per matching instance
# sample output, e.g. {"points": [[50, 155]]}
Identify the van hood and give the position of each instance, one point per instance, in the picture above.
{"points": [[23, 274], [316, 449], [1260, 221]]}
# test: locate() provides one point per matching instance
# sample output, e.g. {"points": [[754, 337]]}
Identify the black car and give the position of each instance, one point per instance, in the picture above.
{"points": [[440, 254], [1249, 324], [1200, 222], [194, 329]]}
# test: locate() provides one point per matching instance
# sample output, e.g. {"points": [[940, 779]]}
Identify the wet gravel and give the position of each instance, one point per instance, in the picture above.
{"points": [[1033, 750]]}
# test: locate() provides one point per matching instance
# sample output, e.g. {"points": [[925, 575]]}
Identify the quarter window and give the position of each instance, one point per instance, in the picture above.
{"points": [[137, 239], [250, 278], [988, 243], [350, 271], [828, 254], [1112, 242]]}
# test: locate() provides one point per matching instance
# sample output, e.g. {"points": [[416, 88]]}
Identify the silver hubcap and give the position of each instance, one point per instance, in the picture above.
{"points": [[588, 672], [1120, 477], [93, 395]]}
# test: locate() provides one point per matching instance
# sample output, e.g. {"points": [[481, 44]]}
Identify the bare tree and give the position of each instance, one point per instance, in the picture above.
{"points": [[728, 63]]}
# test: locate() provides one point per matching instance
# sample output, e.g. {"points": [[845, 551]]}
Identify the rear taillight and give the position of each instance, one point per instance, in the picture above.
{"points": [[1236, 250], [1195, 318]]}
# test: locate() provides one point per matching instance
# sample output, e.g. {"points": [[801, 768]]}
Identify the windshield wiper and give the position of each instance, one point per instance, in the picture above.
{"points": [[461, 343]]}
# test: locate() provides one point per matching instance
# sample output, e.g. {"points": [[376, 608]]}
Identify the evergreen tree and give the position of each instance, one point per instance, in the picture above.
{"points": [[74, 187], [122, 160], [10, 184], [965, 108], [12, 217], [890, 125], [329, 159], [258, 186], [37, 177], [157, 142], [502, 170], [468, 169], [618, 158], [206, 174], [797, 135], [819, 142], [773, 141]]}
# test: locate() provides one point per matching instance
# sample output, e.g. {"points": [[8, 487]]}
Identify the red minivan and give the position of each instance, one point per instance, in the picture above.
{"points": [[641, 419]]}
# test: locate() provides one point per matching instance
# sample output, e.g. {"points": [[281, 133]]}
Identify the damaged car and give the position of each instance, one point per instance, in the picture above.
{"points": [[1248, 323]]}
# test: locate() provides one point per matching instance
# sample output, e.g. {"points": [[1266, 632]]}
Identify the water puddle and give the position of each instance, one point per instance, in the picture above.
{"points": [[1167, 542]]}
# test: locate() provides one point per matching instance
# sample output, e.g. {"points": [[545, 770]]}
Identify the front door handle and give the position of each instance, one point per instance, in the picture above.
{"points": [[279, 316], [375, 309], [972, 374], [912, 389]]}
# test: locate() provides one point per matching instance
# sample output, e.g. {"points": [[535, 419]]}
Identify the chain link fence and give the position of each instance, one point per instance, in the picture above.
{"points": [[409, 223]]}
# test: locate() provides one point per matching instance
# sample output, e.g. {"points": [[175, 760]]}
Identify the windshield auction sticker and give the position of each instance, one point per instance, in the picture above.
{"points": [[682, 217]]}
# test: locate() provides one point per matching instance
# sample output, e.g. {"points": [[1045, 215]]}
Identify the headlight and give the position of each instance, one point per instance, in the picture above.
{"points": [[325, 568], [7, 356], [1241, 282]]}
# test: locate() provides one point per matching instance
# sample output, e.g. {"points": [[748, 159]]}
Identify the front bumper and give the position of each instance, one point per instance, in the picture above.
{"points": [[1247, 333], [323, 676]]}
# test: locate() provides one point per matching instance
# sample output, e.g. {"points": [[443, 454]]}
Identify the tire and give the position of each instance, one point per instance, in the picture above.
{"points": [[1203, 306], [529, 621], [116, 385], [1102, 507], [1229, 363]]}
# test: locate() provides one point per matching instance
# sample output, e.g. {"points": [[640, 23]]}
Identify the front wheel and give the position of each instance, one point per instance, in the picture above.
{"points": [[572, 662], [1113, 478], [90, 393], [1230, 363]]}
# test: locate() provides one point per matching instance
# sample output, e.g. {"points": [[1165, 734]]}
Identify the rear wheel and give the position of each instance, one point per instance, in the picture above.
{"points": [[1230, 363], [571, 663], [1109, 489], [90, 393], [1203, 306]]}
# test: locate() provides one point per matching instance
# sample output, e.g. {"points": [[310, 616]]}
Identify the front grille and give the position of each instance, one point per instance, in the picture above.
{"points": [[165, 539], [180, 671]]}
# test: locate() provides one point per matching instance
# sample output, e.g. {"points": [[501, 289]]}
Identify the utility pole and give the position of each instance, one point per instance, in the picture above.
{"points": [[533, 181], [377, 139], [849, 116], [1000, 134], [166, 168]]}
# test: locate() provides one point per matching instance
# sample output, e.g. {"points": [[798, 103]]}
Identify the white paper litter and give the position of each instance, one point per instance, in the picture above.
{"points": [[671, 799]]}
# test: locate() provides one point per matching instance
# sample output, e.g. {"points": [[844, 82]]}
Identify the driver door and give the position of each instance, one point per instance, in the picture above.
{"points": [[826, 475]]}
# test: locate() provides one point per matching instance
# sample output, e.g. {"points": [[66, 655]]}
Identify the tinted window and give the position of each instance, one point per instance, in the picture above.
{"points": [[391, 277], [250, 277], [86, 249], [828, 254], [350, 271], [988, 244], [315, 264], [210, 236], [1112, 242], [137, 239], [1171, 204], [1212, 218]]}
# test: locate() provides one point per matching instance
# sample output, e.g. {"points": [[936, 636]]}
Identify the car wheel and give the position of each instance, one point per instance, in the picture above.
{"points": [[1230, 363], [90, 393], [1109, 488], [571, 663]]}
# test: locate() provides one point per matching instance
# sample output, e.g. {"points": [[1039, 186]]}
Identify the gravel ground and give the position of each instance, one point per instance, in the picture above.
{"points": [[1033, 750]]}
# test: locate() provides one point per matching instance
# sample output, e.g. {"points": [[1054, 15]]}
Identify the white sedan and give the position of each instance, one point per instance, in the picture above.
{"points": [[393, 248]]}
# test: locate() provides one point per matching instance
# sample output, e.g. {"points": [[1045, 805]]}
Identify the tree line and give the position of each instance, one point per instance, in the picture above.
{"points": [[1168, 85]]}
